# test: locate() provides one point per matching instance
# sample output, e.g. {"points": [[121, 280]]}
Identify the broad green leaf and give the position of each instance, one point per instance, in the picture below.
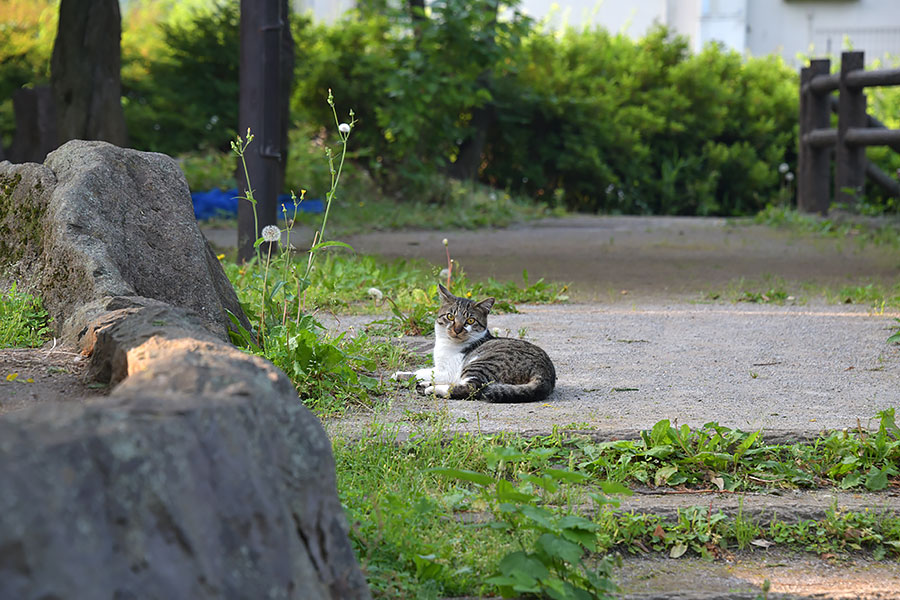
{"points": [[662, 475], [576, 522], [876, 479], [543, 482], [678, 550], [539, 516], [557, 547], [463, 474], [523, 567], [507, 493], [612, 487], [566, 475]]}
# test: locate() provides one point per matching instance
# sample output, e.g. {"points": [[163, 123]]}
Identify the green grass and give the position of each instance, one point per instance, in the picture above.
{"points": [[768, 290], [420, 532], [775, 290], [452, 205], [880, 232], [23, 320]]}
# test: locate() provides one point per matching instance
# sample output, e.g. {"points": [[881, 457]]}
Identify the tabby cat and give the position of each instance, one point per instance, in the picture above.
{"points": [[471, 363]]}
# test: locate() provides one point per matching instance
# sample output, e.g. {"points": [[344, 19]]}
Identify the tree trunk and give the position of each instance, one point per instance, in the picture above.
{"points": [[85, 72], [468, 160]]}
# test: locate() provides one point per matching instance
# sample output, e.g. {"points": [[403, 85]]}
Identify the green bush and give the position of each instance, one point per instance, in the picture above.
{"points": [[27, 30], [609, 124], [188, 99], [413, 82], [596, 121]]}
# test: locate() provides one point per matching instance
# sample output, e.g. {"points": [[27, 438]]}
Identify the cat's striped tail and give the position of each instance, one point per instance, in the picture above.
{"points": [[535, 390]]}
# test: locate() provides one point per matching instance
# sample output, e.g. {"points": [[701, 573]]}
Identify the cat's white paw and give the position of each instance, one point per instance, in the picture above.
{"points": [[425, 375], [440, 390], [403, 375]]}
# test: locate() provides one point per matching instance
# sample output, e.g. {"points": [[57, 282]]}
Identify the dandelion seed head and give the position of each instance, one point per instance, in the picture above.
{"points": [[375, 294], [783, 168], [271, 233]]}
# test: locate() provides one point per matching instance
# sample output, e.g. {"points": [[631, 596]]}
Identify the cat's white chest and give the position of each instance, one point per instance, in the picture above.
{"points": [[448, 363]]}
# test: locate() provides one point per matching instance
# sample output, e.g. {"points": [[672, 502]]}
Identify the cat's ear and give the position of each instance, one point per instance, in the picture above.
{"points": [[445, 294], [485, 304]]}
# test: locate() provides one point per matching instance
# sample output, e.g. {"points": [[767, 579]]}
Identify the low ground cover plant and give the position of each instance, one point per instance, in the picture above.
{"points": [[435, 514], [24, 322]]}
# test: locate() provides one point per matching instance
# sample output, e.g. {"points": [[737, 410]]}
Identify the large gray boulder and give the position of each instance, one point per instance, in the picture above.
{"points": [[96, 221], [200, 476]]}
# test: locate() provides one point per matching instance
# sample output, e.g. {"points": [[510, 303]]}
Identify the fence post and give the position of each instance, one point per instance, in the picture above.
{"points": [[850, 161], [813, 194]]}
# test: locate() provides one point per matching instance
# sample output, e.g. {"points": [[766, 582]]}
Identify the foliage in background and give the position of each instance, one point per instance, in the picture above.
{"points": [[587, 119], [184, 97], [23, 320], [610, 124], [27, 31]]}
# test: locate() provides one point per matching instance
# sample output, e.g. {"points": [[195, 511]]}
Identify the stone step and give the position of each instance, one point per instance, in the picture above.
{"points": [[793, 575]]}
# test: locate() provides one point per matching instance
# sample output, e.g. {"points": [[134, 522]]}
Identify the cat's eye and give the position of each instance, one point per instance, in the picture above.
{"points": [[449, 316], [471, 321]]}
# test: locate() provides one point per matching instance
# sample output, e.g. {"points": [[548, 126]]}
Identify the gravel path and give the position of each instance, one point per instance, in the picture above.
{"points": [[641, 341], [622, 368]]}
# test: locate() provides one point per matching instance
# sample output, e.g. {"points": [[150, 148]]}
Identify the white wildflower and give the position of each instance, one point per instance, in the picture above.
{"points": [[344, 128], [789, 176], [495, 331], [271, 233], [444, 273], [783, 168], [375, 294], [444, 241]]}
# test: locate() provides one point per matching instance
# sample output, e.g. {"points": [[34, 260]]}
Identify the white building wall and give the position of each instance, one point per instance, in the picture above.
{"points": [[631, 18], [796, 27], [724, 22]]}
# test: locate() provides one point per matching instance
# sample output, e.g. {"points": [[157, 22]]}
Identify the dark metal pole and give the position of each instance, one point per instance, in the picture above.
{"points": [[262, 24]]}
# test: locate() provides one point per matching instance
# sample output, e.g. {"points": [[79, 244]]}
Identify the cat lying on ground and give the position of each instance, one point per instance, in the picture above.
{"points": [[471, 363]]}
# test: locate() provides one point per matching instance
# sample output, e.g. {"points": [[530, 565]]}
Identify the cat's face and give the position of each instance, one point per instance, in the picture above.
{"points": [[460, 319]]}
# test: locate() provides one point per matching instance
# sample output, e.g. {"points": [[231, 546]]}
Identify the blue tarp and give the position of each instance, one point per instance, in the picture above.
{"points": [[223, 203]]}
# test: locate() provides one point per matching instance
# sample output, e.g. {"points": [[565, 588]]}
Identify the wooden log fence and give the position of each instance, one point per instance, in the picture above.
{"points": [[855, 130]]}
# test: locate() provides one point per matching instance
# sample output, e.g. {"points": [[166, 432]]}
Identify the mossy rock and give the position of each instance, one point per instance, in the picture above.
{"points": [[23, 209]]}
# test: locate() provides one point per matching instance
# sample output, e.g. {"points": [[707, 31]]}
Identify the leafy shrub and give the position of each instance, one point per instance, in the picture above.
{"points": [[609, 124], [189, 96], [414, 81], [27, 31]]}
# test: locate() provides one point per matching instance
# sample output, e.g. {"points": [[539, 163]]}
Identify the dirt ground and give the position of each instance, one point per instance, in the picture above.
{"points": [[650, 258], [30, 376]]}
